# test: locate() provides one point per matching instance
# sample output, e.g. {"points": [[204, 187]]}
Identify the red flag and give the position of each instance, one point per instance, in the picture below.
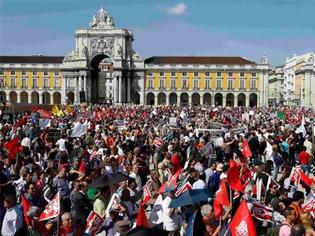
{"points": [[12, 147], [246, 150], [82, 167], [146, 194], [221, 199], [26, 205], [93, 223], [142, 220], [52, 209], [171, 183], [305, 179], [187, 186], [242, 223], [233, 177], [309, 205]]}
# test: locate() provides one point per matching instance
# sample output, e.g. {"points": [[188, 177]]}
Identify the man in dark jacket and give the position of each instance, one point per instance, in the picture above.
{"points": [[81, 204]]}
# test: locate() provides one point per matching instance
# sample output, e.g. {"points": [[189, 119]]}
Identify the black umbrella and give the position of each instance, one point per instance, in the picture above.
{"points": [[109, 179]]}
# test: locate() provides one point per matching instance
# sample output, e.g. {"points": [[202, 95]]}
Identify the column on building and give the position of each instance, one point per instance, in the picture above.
{"points": [[224, 99], [155, 99], [41, 98], [76, 89], [235, 100], [167, 98], [115, 88], [128, 89], [51, 98], [247, 101], [119, 89], [18, 97], [201, 98], [29, 97], [212, 100], [189, 99]]}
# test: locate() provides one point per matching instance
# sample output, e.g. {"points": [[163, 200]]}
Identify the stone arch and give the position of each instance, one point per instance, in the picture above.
{"points": [[195, 99], [56, 98], [172, 98], [13, 97], [241, 100], [218, 99], [35, 97], [150, 99], [230, 100], [135, 98], [184, 99], [253, 100], [24, 97], [161, 99], [70, 99], [207, 99], [3, 96], [46, 98]]}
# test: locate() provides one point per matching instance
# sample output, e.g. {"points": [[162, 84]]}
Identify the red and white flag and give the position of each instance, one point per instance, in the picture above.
{"points": [[158, 142], [93, 223], [242, 223], [262, 212], [114, 203], [221, 199], [146, 194], [187, 186], [309, 204], [52, 209]]}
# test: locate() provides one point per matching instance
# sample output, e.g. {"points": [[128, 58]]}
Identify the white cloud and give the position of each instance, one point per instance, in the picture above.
{"points": [[178, 9]]}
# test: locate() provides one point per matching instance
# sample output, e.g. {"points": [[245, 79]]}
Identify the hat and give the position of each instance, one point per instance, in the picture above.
{"points": [[219, 167]]}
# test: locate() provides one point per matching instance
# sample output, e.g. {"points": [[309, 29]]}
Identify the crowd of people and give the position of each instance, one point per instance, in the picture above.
{"points": [[151, 158]]}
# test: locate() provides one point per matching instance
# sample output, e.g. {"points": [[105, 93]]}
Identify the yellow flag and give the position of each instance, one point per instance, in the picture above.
{"points": [[68, 109], [55, 110], [60, 113]]}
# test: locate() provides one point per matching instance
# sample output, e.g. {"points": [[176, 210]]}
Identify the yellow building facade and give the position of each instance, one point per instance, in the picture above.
{"points": [[218, 81], [33, 79]]}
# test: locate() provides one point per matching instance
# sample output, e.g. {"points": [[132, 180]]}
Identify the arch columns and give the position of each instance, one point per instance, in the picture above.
{"points": [[29, 97], [189, 99], [224, 100], [51, 99], [247, 101], [128, 90], [119, 89], [235, 100], [40, 98], [18, 97], [155, 99], [201, 99]]}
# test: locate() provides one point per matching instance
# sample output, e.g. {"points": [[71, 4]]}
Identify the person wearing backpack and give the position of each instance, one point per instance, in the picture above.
{"points": [[286, 226]]}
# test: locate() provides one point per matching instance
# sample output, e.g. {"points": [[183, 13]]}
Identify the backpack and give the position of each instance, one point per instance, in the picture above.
{"points": [[277, 158], [274, 230]]}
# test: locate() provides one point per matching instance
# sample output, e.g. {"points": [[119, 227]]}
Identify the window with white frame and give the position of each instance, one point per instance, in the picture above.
{"points": [[57, 84], [253, 83], [173, 74], [45, 82], [162, 83], [150, 83], [230, 74], [219, 83], [184, 73], [241, 74], [35, 83], [185, 83], [173, 83], [196, 74], [230, 84], [196, 83], [207, 74], [162, 74], [254, 74], [13, 82], [207, 83], [242, 83], [219, 74], [23, 82]]}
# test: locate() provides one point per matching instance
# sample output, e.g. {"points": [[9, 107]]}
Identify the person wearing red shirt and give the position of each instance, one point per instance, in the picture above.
{"points": [[304, 159], [67, 228]]}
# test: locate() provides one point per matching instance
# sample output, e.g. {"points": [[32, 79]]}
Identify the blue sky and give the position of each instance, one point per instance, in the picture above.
{"points": [[247, 28]]}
